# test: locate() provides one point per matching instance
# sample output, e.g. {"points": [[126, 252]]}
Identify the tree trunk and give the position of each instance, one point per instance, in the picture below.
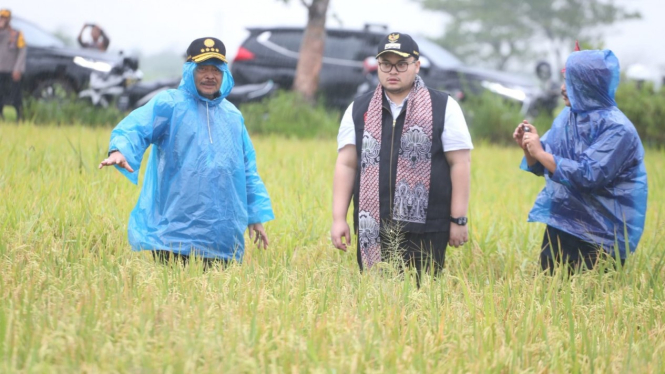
{"points": [[309, 65]]}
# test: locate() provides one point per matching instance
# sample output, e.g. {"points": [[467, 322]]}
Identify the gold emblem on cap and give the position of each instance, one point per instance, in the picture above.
{"points": [[393, 38], [209, 43]]}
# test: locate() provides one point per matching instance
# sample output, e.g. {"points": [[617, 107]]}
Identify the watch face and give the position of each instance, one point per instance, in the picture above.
{"points": [[460, 221]]}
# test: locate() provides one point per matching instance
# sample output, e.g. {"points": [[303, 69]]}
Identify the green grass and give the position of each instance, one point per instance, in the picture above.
{"points": [[74, 298]]}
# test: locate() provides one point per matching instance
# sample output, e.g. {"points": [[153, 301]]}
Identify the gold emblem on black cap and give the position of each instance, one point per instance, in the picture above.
{"points": [[208, 52], [393, 46]]}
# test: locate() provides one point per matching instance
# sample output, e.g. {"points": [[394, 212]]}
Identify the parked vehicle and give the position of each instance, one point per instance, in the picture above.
{"points": [[105, 88], [55, 70], [272, 53], [139, 94]]}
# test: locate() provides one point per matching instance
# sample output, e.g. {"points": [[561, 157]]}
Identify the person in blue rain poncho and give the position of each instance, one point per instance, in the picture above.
{"points": [[595, 196], [201, 189]]}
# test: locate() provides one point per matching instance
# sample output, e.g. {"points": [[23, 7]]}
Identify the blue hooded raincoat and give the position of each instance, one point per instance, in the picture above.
{"points": [[598, 191], [201, 186]]}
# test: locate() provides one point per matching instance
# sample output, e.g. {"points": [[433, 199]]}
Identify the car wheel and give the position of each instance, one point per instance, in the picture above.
{"points": [[53, 89]]}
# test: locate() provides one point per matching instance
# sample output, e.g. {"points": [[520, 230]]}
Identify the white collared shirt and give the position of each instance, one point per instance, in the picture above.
{"points": [[455, 134], [396, 109]]}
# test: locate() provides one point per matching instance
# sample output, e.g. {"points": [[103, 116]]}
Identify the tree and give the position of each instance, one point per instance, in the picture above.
{"points": [[498, 31], [306, 80]]}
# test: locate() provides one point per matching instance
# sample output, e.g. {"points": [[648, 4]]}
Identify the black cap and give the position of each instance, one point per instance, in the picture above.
{"points": [[401, 44], [203, 49]]}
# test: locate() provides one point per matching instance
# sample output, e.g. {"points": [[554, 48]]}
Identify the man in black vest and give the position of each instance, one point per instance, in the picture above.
{"points": [[404, 155]]}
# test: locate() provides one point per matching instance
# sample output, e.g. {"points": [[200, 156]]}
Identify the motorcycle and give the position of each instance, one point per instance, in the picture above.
{"points": [[104, 88], [124, 86]]}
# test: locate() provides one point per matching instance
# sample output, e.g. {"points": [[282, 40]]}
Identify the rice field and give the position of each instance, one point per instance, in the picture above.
{"points": [[75, 299]]}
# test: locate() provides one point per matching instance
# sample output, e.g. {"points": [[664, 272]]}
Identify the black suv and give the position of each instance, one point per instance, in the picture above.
{"points": [[349, 66], [53, 69]]}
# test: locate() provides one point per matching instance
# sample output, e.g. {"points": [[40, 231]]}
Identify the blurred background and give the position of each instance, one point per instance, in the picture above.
{"points": [[500, 58]]}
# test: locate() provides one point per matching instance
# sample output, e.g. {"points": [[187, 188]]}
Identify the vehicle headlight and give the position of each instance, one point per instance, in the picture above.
{"points": [[101, 66], [513, 93]]}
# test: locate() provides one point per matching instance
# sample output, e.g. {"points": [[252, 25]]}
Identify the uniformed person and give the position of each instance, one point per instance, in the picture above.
{"points": [[12, 64]]}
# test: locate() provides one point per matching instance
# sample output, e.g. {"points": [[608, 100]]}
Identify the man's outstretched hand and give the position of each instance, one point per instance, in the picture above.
{"points": [[116, 158]]}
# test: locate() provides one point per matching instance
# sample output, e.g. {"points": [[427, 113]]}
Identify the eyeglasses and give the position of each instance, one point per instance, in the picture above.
{"points": [[401, 66]]}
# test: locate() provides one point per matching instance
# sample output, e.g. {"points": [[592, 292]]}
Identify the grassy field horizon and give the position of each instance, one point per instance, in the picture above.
{"points": [[75, 298]]}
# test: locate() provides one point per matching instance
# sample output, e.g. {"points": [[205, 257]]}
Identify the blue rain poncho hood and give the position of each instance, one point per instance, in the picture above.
{"points": [[201, 187], [598, 191]]}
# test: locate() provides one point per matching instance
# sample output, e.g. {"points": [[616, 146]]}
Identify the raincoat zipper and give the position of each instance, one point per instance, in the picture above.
{"points": [[208, 119]]}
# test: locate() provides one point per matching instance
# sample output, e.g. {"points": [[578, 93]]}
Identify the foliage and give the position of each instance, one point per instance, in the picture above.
{"points": [[74, 298], [645, 109], [492, 119], [70, 111], [287, 114], [495, 32]]}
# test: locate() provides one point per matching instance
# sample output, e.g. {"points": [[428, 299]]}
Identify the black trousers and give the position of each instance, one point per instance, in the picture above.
{"points": [[10, 94], [424, 252], [560, 247], [164, 257]]}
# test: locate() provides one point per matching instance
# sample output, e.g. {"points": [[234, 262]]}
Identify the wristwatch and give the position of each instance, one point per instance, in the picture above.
{"points": [[460, 220]]}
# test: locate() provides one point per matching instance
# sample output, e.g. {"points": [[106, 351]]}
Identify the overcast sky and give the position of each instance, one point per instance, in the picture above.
{"points": [[156, 25]]}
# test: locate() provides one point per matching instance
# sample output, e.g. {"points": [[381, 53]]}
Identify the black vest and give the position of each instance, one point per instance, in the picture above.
{"points": [[438, 210]]}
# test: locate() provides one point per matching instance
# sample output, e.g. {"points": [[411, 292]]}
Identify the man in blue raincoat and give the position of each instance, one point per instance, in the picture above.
{"points": [[201, 188], [595, 197]]}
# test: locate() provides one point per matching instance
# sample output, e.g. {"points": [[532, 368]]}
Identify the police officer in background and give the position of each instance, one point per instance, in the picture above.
{"points": [[12, 64]]}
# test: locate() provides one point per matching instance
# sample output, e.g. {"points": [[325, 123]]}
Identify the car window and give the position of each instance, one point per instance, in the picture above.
{"points": [[287, 39], [436, 54], [345, 47], [35, 36]]}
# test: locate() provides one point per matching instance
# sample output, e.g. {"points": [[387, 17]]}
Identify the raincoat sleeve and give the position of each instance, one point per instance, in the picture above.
{"points": [[259, 208], [142, 127], [537, 168], [599, 164]]}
